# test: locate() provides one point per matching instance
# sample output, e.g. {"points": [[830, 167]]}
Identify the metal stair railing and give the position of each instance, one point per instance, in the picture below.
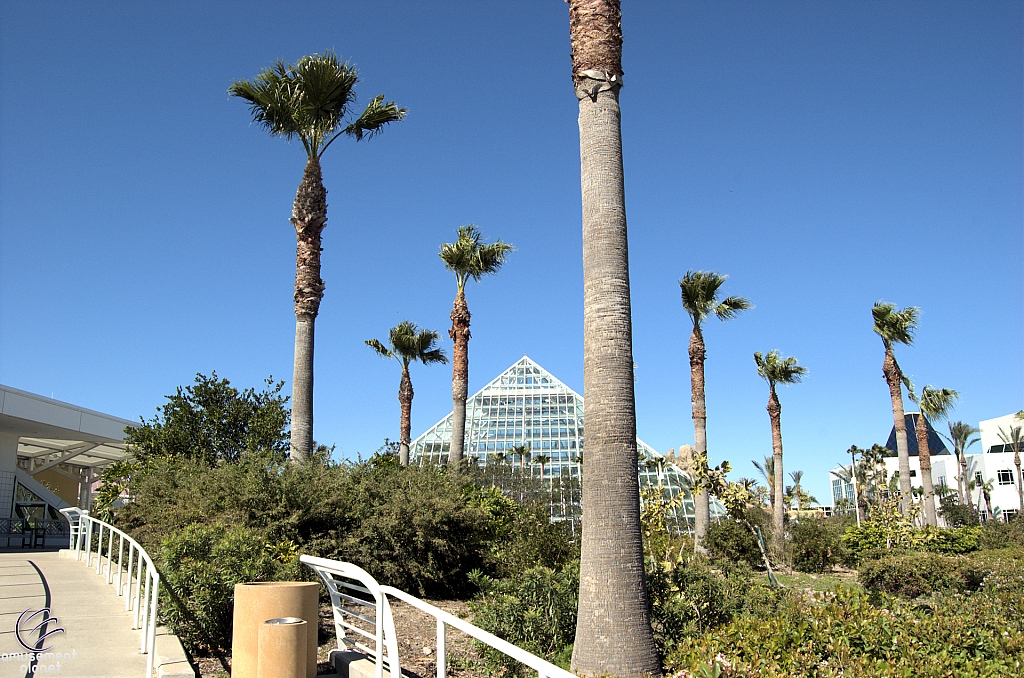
{"points": [[329, 570], [139, 583]]}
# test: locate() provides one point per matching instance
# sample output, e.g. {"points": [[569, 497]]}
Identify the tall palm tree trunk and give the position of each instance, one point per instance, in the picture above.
{"points": [[961, 478], [1020, 488], [405, 394], [309, 216], [701, 500], [613, 633], [774, 408], [893, 377], [925, 458], [459, 334]]}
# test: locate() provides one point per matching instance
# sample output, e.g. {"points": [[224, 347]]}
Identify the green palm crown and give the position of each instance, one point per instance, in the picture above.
{"points": [[311, 100]]}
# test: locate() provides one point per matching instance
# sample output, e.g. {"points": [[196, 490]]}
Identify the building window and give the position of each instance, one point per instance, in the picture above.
{"points": [[913, 473], [1005, 477], [1008, 516], [978, 479]]}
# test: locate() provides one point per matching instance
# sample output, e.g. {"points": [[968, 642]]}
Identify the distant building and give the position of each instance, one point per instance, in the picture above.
{"points": [[527, 405], [988, 460]]}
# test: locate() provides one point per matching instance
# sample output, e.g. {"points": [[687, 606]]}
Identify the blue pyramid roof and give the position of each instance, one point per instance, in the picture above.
{"points": [[935, 444]]}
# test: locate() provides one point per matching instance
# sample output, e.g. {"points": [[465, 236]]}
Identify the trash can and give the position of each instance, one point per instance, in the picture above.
{"points": [[282, 648], [257, 602]]}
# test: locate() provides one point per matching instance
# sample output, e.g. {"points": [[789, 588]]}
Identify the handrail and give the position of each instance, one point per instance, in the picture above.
{"points": [[149, 579], [385, 621], [544, 669]]}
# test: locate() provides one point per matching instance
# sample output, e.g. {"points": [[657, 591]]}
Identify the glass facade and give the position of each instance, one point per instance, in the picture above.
{"points": [[526, 406]]}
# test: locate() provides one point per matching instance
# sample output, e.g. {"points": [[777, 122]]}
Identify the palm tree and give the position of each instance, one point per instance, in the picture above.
{"points": [[767, 472], [699, 291], [408, 344], [986, 491], [1015, 438], [613, 634], [310, 100], [935, 403], [798, 492], [897, 327], [467, 257], [960, 438], [775, 369]]}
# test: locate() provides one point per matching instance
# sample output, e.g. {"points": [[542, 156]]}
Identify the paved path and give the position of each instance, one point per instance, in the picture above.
{"points": [[98, 639]]}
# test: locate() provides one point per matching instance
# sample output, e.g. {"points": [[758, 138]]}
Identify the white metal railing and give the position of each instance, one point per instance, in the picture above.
{"points": [[139, 583], [331, 570]]}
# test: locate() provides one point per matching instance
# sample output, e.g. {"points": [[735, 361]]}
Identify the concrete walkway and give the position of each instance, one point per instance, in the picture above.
{"points": [[98, 639]]}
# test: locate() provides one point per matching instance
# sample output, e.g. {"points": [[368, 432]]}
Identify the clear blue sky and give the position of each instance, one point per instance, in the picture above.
{"points": [[823, 155]]}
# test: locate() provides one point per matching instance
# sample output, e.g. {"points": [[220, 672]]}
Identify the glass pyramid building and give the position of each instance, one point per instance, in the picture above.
{"points": [[526, 405]]}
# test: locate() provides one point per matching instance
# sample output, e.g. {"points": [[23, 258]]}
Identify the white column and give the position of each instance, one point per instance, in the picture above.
{"points": [[8, 465]]}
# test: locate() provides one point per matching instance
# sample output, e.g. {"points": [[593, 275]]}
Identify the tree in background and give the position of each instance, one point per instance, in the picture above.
{"points": [[775, 369], [699, 290], [408, 344], [767, 472], [935, 403], [897, 327], [960, 438], [798, 493], [212, 421], [613, 634], [310, 100], [467, 257], [1015, 438]]}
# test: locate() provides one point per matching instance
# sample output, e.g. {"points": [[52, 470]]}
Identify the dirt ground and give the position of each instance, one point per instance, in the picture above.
{"points": [[417, 640]]}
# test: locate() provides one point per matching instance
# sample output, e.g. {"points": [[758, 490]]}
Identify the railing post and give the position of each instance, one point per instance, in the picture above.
{"points": [[99, 549], [110, 556], [442, 651], [138, 589], [145, 614], [120, 562], [150, 631], [128, 598], [88, 542]]}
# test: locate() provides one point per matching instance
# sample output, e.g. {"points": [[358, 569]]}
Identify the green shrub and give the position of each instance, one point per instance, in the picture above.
{"points": [[998, 535], [816, 545], [871, 540], [916, 574], [535, 610], [843, 634], [733, 540], [200, 566], [957, 514], [692, 597]]}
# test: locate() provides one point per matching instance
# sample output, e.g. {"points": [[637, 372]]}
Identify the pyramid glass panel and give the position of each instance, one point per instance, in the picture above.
{"points": [[527, 406]]}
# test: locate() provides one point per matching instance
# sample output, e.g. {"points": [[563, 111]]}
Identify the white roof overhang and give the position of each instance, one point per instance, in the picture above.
{"points": [[51, 432]]}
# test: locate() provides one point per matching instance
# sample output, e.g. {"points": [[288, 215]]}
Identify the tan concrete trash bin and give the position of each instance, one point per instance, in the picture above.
{"points": [[282, 648], [257, 602]]}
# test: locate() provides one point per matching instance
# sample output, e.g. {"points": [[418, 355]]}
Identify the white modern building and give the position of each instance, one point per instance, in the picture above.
{"points": [[527, 405], [51, 455], [988, 460]]}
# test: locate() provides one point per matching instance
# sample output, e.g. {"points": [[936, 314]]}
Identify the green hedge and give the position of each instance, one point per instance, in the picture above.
{"points": [[843, 634], [917, 574]]}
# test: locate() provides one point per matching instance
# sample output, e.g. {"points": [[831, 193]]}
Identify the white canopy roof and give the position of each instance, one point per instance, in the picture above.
{"points": [[52, 432]]}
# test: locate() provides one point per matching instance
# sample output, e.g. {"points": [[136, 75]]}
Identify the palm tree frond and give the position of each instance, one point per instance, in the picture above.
{"points": [[377, 115], [775, 369], [469, 257], [895, 326], [731, 306], [936, 403], [380, 348]]}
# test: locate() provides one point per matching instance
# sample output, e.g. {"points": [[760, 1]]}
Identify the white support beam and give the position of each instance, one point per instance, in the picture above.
{"points": [[63, 457]]}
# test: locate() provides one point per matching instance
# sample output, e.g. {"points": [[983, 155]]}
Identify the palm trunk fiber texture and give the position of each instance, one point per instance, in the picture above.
{"points": [[613, 633], [925, 459], [309, 217], [701, 500], [459, 334], [774, 408], [894, 378], [405, 395]]}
